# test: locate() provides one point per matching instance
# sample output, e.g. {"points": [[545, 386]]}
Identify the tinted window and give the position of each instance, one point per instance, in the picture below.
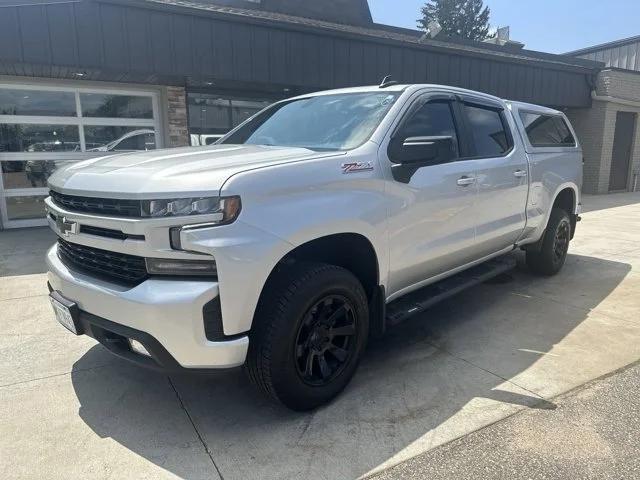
{"points": [[488, 131], [433, 119], [546, 130], [565, 133]]}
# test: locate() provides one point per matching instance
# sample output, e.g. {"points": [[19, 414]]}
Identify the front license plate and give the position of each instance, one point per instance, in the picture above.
{"points": [[64, 315]]}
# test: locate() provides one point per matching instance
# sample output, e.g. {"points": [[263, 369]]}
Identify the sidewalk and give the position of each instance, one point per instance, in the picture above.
{"points": [[592, 432]]}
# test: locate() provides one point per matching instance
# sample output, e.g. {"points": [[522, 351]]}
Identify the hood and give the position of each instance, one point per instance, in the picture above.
{"points": [[192, 171]]}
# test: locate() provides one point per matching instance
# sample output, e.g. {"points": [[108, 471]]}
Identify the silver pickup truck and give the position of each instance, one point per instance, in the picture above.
{"points": [[317, 223]]}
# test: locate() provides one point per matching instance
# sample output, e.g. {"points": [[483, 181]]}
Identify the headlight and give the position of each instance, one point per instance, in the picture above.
{"points": [[162, 266], [226, 209]]}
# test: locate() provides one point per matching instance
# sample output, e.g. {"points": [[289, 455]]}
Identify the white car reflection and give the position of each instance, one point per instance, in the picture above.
{"points": [[143, 139]]}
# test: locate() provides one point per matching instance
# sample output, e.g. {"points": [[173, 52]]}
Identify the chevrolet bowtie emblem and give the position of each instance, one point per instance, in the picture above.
{"points": [[66, 227]]}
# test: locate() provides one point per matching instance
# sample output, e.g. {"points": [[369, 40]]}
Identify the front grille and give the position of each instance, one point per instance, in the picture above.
{"points": [[109, 233], [116, 267], [101, 206]]}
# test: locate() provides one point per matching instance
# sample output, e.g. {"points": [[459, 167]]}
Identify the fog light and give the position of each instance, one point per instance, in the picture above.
{"points": [[138, 348]]}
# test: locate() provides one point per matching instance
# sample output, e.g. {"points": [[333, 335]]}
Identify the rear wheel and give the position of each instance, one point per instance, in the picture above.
{"points": [[550, 259], [310, 331]]}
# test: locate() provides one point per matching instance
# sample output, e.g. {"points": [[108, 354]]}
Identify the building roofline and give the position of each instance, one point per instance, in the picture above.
{"points": [[605, 46], [376, 32]]}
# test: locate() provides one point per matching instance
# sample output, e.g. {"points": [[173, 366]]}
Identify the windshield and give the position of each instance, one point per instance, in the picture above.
{"points": [[327, 122]]}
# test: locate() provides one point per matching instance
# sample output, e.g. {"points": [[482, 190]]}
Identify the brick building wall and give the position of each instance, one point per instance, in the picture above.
{"points": [[589, 124], [178, 131], [619, 84], [616, 91]]}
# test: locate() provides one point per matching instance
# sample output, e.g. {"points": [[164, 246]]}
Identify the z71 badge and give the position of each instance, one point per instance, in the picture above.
{"points": [[354, 167]]}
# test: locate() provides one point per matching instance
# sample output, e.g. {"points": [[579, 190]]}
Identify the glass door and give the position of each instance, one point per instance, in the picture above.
{"points": [[43, 128]]}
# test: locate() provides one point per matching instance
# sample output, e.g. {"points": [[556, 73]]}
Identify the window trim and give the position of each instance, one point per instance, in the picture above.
{"points": [[487, 105], [547, 145]]}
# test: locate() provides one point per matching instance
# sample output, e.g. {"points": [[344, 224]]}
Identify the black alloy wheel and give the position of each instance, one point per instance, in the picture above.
{"points": [[549, 257], [561, 241], [326, 340]]}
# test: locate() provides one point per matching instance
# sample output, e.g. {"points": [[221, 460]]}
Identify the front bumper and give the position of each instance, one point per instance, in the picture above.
{"points": [[165, 315]]}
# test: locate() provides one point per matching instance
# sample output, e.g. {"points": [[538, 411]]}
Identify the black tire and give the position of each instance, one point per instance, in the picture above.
{"points": [[555, 245], [292, 332]]}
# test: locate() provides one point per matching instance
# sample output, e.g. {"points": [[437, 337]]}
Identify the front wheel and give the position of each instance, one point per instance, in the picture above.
{"points": [[310, 331], [555, 245]]}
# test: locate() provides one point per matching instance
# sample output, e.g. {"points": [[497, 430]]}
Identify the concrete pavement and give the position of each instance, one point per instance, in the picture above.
{"points": [[69, 409]]}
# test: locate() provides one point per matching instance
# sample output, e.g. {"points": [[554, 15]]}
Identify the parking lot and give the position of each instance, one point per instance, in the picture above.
{"points": [[69, 409]]}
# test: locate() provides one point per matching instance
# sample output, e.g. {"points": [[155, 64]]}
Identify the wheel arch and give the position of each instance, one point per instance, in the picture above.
{"points": [[567, 198], [349, 250]]}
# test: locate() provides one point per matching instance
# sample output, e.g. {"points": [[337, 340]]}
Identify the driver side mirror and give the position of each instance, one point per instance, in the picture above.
{"points": [[421, 150]]}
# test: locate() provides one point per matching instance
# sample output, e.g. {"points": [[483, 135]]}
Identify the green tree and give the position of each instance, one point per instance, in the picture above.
{"points": [[463, 18]]}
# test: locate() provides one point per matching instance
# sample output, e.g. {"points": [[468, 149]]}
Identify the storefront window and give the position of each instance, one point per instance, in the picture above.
{"points": [[42, 130], [25, 207], [242, 110], [33, 102], [209, 113], [115, 106], [29, 173], [118, 139], [211, 116], [16, 137]]}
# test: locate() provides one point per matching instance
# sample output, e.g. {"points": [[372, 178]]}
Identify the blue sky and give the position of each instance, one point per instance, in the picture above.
{"points": [[555, 26]]}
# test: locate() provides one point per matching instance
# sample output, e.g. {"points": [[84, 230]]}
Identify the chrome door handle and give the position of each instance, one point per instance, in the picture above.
{"points": [[520, 173], [465, 181]]}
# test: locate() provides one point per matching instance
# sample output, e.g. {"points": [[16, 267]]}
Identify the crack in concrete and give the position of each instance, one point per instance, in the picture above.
{"points": [[22, 298], [195, 428], [56, 375]]}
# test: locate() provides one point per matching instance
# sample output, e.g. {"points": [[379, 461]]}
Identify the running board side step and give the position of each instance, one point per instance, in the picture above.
{"points": [[418, 301]]}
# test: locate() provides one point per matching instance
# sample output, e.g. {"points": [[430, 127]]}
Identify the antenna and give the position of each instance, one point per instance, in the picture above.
{"points": [[387, 82]]}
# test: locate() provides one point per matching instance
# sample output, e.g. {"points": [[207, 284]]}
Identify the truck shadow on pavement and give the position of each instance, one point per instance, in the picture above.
{"points": [[468, 362]]}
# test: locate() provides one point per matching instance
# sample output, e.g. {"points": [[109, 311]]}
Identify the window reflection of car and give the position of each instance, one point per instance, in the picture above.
{"points": [[54, 146], [143, 139]]}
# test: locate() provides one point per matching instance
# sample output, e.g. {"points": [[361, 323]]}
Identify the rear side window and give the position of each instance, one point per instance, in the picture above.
{"points": [[488, 131], [547, 130]]}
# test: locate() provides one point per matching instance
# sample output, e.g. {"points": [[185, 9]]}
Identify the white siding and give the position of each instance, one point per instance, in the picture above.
{"points": [[624, 56]]}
